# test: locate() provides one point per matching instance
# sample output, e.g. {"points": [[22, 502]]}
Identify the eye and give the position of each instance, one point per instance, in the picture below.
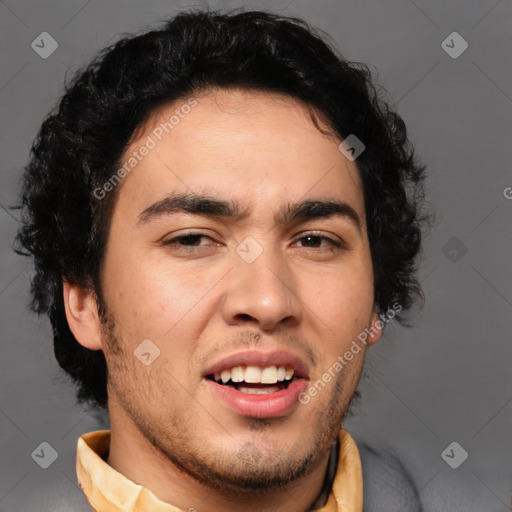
{"points": [[313, 239], [187, 242]]}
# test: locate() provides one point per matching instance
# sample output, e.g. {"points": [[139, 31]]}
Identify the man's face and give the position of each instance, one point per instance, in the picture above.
{"points": [[252, 292]]}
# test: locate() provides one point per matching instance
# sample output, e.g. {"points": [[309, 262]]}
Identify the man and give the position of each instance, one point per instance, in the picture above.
{"points": [[223, 218]]}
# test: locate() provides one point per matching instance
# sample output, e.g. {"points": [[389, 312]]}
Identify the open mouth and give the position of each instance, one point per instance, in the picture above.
{"points": [[255, 380], [257, 384]]}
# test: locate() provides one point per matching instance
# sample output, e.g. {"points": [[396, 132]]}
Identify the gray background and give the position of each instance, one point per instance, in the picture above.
{"points": [[447, 378]]}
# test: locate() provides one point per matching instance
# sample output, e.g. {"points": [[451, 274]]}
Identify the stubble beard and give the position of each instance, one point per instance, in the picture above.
{"points": [[250, 471]]}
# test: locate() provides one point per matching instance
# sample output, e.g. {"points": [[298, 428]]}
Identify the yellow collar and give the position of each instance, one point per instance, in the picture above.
{"points": [[110, 491]]}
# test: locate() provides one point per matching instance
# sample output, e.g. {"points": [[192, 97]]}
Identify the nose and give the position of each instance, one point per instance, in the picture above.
{"points": [[263, 293]]}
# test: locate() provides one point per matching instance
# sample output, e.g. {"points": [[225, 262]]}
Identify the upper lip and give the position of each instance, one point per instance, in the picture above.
{"points": [[261, 359]]}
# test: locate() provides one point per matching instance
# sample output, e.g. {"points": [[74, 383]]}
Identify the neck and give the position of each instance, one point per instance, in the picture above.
{"points": [[133, 455]]}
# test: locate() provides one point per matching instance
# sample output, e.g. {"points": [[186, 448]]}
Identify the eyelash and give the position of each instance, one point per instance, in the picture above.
{"points": [[335, 245]]}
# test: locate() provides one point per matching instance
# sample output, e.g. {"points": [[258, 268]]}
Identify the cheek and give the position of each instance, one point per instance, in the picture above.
{"points": [[342, 304], [344, 298], [147, 297]]}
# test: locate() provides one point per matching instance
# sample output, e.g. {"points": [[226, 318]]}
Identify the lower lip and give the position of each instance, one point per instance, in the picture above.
{"points": [[270, 405]]}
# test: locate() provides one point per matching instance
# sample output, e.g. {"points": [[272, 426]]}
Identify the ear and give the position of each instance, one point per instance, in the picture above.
{"points": [[374, 330], [82, 316]]}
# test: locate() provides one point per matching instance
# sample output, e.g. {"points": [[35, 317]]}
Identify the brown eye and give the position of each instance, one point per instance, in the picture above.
{"points": [[312, 240], [187, 242]]}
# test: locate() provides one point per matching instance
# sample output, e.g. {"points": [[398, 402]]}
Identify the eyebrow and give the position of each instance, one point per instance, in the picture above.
{"points": [[209, 206]]}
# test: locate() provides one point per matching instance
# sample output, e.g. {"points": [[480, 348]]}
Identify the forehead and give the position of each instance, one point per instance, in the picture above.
{"points": [[250, 146]]}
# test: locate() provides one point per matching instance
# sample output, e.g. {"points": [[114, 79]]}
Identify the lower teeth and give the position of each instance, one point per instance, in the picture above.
{"points": [[254, 389], [258, 391]]}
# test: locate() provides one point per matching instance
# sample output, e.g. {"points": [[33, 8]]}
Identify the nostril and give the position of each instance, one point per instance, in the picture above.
{"points": [[244, 316]]}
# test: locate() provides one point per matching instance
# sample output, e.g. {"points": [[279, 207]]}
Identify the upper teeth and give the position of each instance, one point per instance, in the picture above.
{"points": [[255, 374]]}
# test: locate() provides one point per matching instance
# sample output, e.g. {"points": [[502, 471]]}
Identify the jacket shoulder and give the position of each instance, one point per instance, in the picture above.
{"points": [[387, 485]]}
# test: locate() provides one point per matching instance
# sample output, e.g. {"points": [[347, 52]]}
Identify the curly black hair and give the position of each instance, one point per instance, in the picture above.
{"points": [[64, 224]]}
